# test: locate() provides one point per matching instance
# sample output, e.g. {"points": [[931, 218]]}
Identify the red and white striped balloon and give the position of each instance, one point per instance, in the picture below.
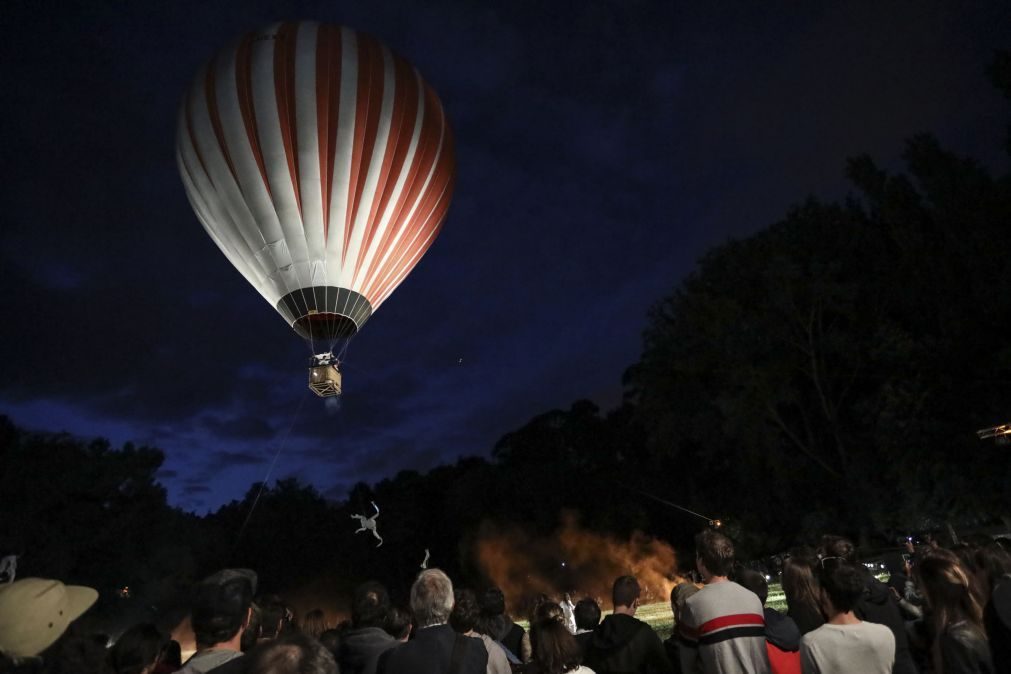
{"points": [[321, 164]]}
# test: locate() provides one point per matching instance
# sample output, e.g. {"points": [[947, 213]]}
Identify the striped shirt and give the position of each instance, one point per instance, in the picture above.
{"points": [[722, 630]]}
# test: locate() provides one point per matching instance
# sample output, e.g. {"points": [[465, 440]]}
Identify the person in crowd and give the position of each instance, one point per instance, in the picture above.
{"points": [[138, 650], [568, 611], [782, 636], [464, 618], [902, 585], [292, 653], [994, 563], [273, 614], [170, 659], [436, 648], [801, 589], [496, 622], [876, 604], [724, 625], [555, 650], [331, 640], [314, 623], [398, 624], [219, 615], [587, 615], [251, 635], [544, 609], [678, 596], [38, 623], [845, 643], [955, 618], [360, 647], [623, 643]]}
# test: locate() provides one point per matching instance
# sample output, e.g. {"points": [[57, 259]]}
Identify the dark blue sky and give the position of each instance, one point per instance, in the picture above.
{"points": [[602, 147]]}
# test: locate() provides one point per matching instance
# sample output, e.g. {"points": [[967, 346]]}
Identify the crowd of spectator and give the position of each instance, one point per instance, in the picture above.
{"points": [[940, 611]]}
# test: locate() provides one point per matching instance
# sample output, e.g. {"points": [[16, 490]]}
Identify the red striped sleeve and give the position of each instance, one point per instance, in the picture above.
{"points": [[737, 620]]}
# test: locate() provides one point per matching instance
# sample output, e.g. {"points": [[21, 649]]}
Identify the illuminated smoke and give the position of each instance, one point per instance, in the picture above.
{"points": [[583, 563], [332, 405], [327, 593]]}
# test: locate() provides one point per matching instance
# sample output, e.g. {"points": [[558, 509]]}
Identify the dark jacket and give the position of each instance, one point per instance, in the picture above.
{"points": [[359, 649], [511, 637], [964, 650], [583, 640], [879, 605], [431, 651], [807, 617], [622, 644], [997, 620], [781, 631]]}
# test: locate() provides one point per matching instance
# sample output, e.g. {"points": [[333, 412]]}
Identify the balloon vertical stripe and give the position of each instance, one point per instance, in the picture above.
{"points": [[244, 85]]}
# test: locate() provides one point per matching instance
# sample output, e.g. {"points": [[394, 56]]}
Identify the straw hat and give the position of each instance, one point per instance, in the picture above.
{"points": [[34, 612]]}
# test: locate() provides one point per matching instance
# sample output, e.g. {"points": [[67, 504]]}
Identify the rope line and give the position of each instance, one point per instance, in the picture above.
{"points": [[270, 470]]}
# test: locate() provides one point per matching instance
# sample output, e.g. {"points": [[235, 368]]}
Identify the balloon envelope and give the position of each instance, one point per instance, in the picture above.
{"points": [[322, 166]]}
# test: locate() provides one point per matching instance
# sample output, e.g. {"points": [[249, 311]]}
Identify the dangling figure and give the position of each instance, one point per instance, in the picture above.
{"points": [[9, 567], [369, 523], [424, 563]]}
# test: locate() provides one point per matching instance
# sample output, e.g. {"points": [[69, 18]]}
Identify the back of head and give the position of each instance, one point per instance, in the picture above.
{"points": [[398, 623], [431, 598], [370, 605], [555, 649], [895, 563], [172, 655], [251, 634], [716, 552], [625, 591], [842, 582], [492, 602], [992, 562], [136, 649], [272, 612], [799, 582], [753, 581], [314, 623], [548, 610], [220, 609], [465, 612], [587, 613], [966, 554], [292, 653], [838, 546], [947, 587]]}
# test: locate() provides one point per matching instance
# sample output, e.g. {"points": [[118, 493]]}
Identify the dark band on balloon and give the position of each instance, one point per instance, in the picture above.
{"points": [[325, 312]]}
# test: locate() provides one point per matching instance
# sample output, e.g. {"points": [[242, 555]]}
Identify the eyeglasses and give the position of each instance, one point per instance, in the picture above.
{"points": [[839, 561]]}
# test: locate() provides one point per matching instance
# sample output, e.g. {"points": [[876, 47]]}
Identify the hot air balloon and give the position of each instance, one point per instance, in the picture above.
{"points": [[322, 165]]}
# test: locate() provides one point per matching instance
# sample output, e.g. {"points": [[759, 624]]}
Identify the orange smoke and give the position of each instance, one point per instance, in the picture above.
{"points": [[583, 563]]}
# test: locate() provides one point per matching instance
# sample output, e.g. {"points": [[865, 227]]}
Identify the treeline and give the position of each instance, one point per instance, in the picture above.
{"points": [[825, 374]]}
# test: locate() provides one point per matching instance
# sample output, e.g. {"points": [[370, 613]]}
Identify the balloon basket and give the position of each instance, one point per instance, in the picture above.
{"points": [[325, 380]]}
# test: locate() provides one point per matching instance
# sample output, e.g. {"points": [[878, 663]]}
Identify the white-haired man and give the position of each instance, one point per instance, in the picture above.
{"points": [[436, 647]]}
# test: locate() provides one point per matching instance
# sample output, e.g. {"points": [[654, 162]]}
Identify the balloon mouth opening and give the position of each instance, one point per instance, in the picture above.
{"points": [[325, 326]]}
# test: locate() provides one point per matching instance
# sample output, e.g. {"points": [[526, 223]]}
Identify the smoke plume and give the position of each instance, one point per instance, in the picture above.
{"points": [[573, 560]]}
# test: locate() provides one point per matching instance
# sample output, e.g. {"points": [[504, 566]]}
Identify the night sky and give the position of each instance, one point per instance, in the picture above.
{"points": [[602, 147]]}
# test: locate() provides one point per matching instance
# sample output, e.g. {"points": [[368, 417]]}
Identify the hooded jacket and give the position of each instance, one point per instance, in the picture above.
{"points": [[781, 631], [359, 649], [782, 642], [622, 644], [878, 605]]}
